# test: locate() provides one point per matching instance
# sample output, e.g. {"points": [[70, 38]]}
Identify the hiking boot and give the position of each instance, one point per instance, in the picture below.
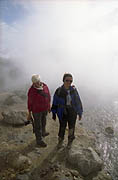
{"points": [[60, 142], [69, 144], [42, 144], [45, 134], [70, 141]]}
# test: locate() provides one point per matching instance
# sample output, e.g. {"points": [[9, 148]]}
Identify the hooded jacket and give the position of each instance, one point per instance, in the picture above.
{"points": [[59, 101], [38, 100]]}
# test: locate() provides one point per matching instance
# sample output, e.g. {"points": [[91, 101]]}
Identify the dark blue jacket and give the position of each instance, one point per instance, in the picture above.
{"points": [[59, 101]]}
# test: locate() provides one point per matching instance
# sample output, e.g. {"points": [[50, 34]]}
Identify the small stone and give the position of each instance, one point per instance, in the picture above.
{"points": [[74, 173], [12, 176], [22, 177], [75, 178], [21, 141], [109, 130], [68, 174]]}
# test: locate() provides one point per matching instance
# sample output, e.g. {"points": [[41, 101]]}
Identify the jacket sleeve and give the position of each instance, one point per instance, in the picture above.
{"points": [[78, 103], [49, 97], [55, 102], [29, 101]]}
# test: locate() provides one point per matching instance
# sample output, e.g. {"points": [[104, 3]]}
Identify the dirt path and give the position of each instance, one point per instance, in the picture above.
{"points": [[21, 140], [46, 163]]}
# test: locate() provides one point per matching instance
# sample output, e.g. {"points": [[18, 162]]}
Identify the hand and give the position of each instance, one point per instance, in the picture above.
{"points": [[80, 117], [27, 122], [49, 110], [54, 116], [29, 117]]}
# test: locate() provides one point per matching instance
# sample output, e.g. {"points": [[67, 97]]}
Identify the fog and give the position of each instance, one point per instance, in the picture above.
{"points": [[54, 37]]}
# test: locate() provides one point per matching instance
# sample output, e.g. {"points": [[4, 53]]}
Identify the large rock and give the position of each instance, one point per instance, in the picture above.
{"points": [[85, 160], [1, 117], [109, 130], [21, 162], [14, 117]]}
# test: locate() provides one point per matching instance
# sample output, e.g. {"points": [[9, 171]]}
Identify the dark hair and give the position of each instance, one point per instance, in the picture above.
{"points": [[66, 75]]}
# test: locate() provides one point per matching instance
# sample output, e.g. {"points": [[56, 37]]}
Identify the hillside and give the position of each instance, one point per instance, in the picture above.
{"points": [[21, 159]]}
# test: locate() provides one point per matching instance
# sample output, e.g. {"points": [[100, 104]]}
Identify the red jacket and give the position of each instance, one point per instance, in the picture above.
{"points": [[37, 102]]}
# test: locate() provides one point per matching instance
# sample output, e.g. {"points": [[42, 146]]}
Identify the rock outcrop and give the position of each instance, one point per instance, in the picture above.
{"points": [[15, 117], [85, 160], [20, 159]]}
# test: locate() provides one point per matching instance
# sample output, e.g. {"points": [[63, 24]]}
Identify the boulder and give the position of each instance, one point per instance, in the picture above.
{"points": [[14, 117], [21, 162], [85, 160], [109, 130], [1, 117]]}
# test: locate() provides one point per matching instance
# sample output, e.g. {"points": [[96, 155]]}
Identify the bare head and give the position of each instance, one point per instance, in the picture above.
{"points": [[36, 80], [67, 79]]}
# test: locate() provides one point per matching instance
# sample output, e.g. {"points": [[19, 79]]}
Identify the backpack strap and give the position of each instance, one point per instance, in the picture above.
{"points": [[59, 91], [42, 93]]}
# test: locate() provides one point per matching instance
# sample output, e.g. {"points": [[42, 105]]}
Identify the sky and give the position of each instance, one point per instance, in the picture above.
{"points": [[54, 37]]}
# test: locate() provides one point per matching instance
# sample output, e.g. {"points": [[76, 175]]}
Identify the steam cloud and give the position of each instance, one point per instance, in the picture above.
{"points": [[57, 37]]}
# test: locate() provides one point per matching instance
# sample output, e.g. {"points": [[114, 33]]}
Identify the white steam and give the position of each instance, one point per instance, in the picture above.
{"points": [[76, 37]]}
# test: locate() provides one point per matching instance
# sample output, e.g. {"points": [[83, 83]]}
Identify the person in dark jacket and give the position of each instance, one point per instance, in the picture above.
{"points": [[38, 107], [66, 105]]}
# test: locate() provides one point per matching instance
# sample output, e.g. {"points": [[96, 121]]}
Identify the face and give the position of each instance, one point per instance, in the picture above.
{"points": [[68, 81], [37, 84]]}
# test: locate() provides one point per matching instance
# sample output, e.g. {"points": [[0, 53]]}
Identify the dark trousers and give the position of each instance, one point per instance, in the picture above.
{"points": [[39, 125], [69, 117]]}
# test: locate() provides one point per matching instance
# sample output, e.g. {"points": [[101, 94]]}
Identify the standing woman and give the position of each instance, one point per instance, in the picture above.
{"points": [[38, 106], [67, 105]]}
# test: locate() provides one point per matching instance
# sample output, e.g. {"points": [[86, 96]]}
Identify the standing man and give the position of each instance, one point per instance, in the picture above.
{"points": [[38, 107], [67, 105]]}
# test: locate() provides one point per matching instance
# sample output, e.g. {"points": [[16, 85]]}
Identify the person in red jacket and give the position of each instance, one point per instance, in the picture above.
{"points": [[38, 107]]}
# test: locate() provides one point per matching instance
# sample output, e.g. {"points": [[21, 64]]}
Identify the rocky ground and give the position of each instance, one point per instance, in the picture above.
{"points": [[21, 159]]}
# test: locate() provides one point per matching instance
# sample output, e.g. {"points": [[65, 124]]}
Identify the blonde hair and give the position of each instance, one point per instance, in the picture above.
{"points": [[35, 78]]}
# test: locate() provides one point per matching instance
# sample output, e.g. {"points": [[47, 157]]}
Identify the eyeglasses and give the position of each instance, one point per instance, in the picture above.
{"points": [[38, 82], [67, 80]]}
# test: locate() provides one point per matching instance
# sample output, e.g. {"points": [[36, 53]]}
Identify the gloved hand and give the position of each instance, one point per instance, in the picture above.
{"points": [[54, 116], [80, 117], [27, 122], [49, 110]]}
